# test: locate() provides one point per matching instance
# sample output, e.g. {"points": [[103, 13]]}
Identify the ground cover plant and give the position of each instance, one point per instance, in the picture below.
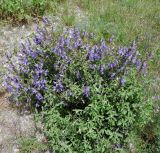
{"points": [[29, 145], [85, 90]]}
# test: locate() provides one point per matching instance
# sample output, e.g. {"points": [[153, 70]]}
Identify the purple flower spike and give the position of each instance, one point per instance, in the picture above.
{"points": [[34, 91], [84, 34], [45, 20], [122, 82], [93, 66], [39, 96], [102, 69], [122, 51], [10, 67], [33, 54], [37, 40], [150, 55], [111, 39], [113, 75], [67, 41], [38, 30], [144, 67], [25, 62], [103, 45], [86, 91], [9, 87], [46, 72], [138, 65], [134, 59], [113, 64], [69, 93], [58, 87], [78, 75], [129, 55]]}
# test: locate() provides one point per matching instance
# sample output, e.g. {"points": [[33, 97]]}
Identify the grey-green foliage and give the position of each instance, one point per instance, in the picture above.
{"points": [[101, 126]]}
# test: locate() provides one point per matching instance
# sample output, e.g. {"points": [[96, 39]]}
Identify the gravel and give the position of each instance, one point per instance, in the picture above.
{"points": [[13, 126]]}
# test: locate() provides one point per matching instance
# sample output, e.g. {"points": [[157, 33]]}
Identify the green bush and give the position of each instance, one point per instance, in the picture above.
{"points": [[87, 91], [103, 124], [22, 10]]}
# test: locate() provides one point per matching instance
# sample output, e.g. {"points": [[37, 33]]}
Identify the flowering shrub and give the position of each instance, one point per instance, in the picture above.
{"points": [[88, 89]]}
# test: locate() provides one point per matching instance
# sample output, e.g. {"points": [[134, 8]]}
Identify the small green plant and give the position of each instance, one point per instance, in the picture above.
{"points": [[30, 145], [68, 20]]}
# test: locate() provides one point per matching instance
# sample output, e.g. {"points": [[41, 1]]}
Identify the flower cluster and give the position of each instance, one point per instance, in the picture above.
{"points": [[51, 60]]}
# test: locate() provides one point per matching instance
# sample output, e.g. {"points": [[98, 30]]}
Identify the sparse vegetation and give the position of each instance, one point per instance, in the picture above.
{"points": [[29, 145]]}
